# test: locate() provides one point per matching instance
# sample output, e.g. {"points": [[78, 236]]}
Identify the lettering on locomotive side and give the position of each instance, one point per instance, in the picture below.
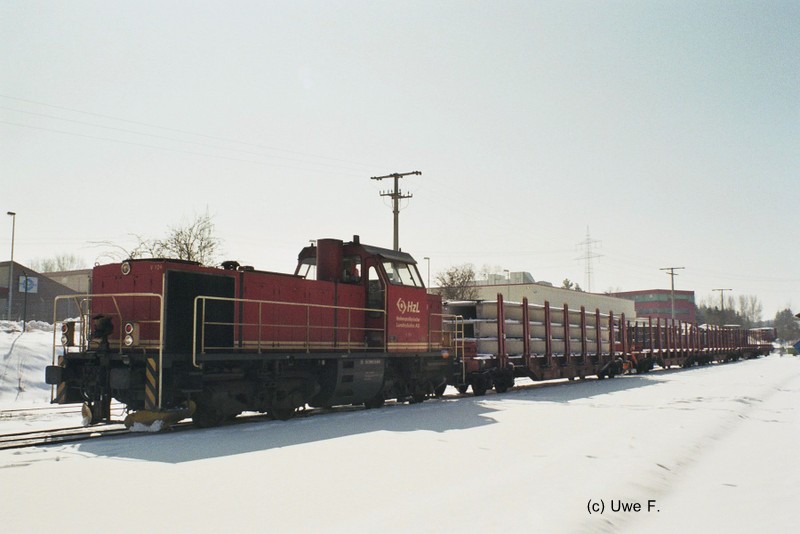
{"points": [[408, 322], [407, 306]]}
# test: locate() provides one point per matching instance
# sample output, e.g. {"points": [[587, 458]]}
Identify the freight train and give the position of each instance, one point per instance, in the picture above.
{"points": [[353, 325]]}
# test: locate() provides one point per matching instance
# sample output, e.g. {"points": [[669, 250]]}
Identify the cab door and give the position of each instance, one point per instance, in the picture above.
{"points": [[376, 304]]}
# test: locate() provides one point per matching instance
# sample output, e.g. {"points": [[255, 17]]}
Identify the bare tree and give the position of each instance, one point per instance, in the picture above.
{"points": [[713, 311], [750, 309], [458, 283], [193, 241], [61, 262], [488, 270]]}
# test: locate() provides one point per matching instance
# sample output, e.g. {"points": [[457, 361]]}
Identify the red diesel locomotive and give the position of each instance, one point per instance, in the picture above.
{"points": [[353, 325]]}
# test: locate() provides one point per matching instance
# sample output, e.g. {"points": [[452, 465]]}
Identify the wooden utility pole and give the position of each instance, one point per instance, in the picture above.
{"points": [[722, 300], [396, 196], [672, 285]]}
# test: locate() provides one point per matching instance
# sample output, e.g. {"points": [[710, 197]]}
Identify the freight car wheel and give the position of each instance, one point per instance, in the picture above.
{"points": [[462, 388], [417, 398], [479, 386]]}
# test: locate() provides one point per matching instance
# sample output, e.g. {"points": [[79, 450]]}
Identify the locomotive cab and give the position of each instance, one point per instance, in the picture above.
{"points": [[394, 291]]}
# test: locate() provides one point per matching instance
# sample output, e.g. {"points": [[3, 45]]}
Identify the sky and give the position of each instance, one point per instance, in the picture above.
{"points": [[666, 131]]}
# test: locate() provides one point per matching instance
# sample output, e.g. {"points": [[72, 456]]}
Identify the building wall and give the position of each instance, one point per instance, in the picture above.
{"points": [[32, 306], [79, 281]]}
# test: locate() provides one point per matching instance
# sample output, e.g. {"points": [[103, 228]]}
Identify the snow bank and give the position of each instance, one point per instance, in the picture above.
{"points": [[23, 357]]}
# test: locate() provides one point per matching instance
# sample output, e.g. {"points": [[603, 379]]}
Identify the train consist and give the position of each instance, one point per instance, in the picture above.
{"points": [[353, 324]]}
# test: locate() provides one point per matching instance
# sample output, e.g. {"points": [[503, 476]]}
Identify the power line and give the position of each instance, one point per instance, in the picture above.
{"points": [[166, 149], [186, 132], [163, 137]]}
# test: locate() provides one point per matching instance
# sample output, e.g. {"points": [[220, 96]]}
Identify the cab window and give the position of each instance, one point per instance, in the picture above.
{"points": [[352, 270], [404, 274]]}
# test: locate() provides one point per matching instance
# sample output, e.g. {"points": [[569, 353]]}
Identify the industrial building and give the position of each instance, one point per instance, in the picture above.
{"points": [[657, 303]]}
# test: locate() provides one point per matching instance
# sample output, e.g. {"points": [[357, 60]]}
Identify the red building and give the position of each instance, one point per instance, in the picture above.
{"points": [[658, 303]]}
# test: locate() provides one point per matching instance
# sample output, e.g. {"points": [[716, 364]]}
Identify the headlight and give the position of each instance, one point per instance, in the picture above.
{"points": [[68, 333], [131, 334]]}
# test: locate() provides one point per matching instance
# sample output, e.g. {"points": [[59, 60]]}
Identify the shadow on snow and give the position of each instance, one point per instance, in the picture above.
{"points": [[444, 415]]}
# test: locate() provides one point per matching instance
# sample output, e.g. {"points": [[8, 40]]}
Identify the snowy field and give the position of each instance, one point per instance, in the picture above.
{"points": [[713, 449]]}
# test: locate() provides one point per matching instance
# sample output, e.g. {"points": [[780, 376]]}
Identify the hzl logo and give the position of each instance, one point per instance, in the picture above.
{"points": [[407, 307]]}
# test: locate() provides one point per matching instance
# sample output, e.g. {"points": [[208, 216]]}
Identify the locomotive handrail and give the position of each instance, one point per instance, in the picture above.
{"points": [[456, 341], [260, 325], [83, 340]]}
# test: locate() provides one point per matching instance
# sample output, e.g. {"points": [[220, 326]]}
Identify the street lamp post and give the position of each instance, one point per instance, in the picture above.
{"points": [[428, 260], [11, 264], [25, 306]]}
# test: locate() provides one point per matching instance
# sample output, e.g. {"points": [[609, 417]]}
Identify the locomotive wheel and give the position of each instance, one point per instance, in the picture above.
{"points": [[376, 402], [206, 417], [282, 413], [462, 388], [440, 390]]}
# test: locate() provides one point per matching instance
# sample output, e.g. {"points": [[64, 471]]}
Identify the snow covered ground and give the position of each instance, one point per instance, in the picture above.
{"points": [[706, 449]]}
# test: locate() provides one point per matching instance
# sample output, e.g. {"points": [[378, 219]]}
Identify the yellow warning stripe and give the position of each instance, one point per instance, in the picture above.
{"points": [[61, 390], [151, 385]]}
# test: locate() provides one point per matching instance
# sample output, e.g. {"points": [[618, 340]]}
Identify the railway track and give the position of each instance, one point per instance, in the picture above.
{"points": [[52, 436], [49, 409]]}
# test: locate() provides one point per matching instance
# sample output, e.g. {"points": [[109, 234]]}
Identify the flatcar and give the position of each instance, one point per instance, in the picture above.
{"points": [[501, 341]]}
